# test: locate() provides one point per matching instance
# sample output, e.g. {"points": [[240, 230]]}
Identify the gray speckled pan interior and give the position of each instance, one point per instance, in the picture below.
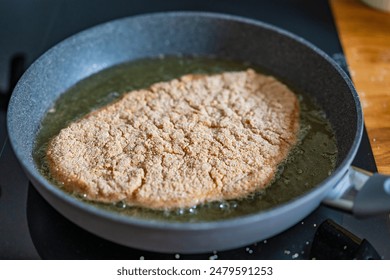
{"points": [[280, 53]]}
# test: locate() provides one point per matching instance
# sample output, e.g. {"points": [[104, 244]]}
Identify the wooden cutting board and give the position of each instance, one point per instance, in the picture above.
{"points": [[365, 37]]}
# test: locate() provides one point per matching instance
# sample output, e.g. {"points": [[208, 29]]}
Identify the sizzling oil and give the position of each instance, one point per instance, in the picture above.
{"points": [[310, 162]]}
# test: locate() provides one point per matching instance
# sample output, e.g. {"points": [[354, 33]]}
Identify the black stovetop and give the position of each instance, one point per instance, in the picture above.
{"points": [[32, 229]]}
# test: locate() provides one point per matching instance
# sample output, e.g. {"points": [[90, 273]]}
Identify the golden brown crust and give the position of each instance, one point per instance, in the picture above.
{"points": [[180, 143]]}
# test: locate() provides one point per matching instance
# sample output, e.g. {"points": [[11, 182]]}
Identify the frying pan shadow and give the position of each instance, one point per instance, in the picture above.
{"points": [[55, 237]]}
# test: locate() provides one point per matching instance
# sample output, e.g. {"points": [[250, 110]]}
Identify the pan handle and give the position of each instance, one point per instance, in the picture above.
{"points": [[362, 193]]}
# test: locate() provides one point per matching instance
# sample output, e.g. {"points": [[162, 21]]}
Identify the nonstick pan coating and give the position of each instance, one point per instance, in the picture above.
{"points": [[186, 33]]}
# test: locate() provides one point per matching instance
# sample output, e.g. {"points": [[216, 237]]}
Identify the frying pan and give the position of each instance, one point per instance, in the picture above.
{"points": [[287, 56]]}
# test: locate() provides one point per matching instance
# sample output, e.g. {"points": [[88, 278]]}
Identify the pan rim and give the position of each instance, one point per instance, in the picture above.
{"points": [[30, 168]]}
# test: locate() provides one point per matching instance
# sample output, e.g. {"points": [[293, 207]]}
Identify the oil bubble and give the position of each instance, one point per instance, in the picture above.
{"points": [[233, 204], [192, 210], [121, 205], [224, 205]]}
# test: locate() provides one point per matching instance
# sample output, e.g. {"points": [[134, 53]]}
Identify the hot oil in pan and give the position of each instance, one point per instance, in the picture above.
{"points": [[308, 164]]}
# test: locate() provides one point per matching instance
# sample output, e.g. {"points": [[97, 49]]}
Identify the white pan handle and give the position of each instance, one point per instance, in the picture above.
{"points": [[362, 193]]}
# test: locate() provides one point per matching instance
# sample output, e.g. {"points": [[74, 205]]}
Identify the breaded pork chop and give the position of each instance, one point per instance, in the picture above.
{"points": [[179, 143]]}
